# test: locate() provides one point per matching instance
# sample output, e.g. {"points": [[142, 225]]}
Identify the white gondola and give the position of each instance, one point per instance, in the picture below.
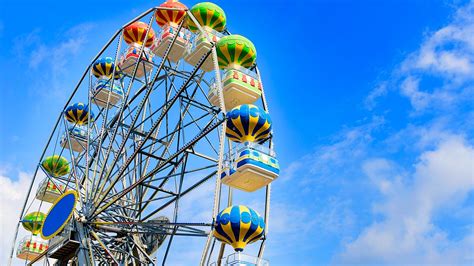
{"points": [[200, 47], [77, 137], [239, 85], [30, 247], [104, 92], [166, 37], [129, 58], [252, 167], [49, 191], [240, 259]]}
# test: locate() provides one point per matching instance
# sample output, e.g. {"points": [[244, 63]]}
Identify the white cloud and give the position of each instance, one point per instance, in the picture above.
{"points": [[51, 58], [75, 38], [12, 195], [405, 225], [14, 185], [447, 55], [442, 178], [379, 91], [39, 51], [290, 171], [450, 50], [410, 88], [418, 138], [38, 56], [401, 220], [403, 176], [23, 43], [382, 173], [351, 142]]}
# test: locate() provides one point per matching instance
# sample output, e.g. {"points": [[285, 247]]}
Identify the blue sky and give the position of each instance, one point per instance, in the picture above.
{"points": [[372, 103]]}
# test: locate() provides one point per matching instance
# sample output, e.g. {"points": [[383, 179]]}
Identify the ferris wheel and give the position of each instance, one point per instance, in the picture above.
{"points": [[172, 103]]}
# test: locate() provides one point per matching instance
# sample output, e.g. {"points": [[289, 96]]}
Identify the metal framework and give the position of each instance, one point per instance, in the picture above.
{"points": [[141, 157]]}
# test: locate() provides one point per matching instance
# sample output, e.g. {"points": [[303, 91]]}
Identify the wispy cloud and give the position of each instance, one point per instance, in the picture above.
{"points": [[426, 166], [408, 234], [384, 181], [439, 74], [449, 51], [380, 90], [37, 51], [49, 58], [318, 167]]}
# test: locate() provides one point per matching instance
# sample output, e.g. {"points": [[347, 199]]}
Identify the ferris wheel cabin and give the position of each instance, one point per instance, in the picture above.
{"points": [[48, 191], [239, 259], [252, 167], [30, 247], [165, 39], [107, 95], [130, 57], [77, 136], [106, 92], [212, 21], [239, 86], [201, 46], [169, 18]]}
